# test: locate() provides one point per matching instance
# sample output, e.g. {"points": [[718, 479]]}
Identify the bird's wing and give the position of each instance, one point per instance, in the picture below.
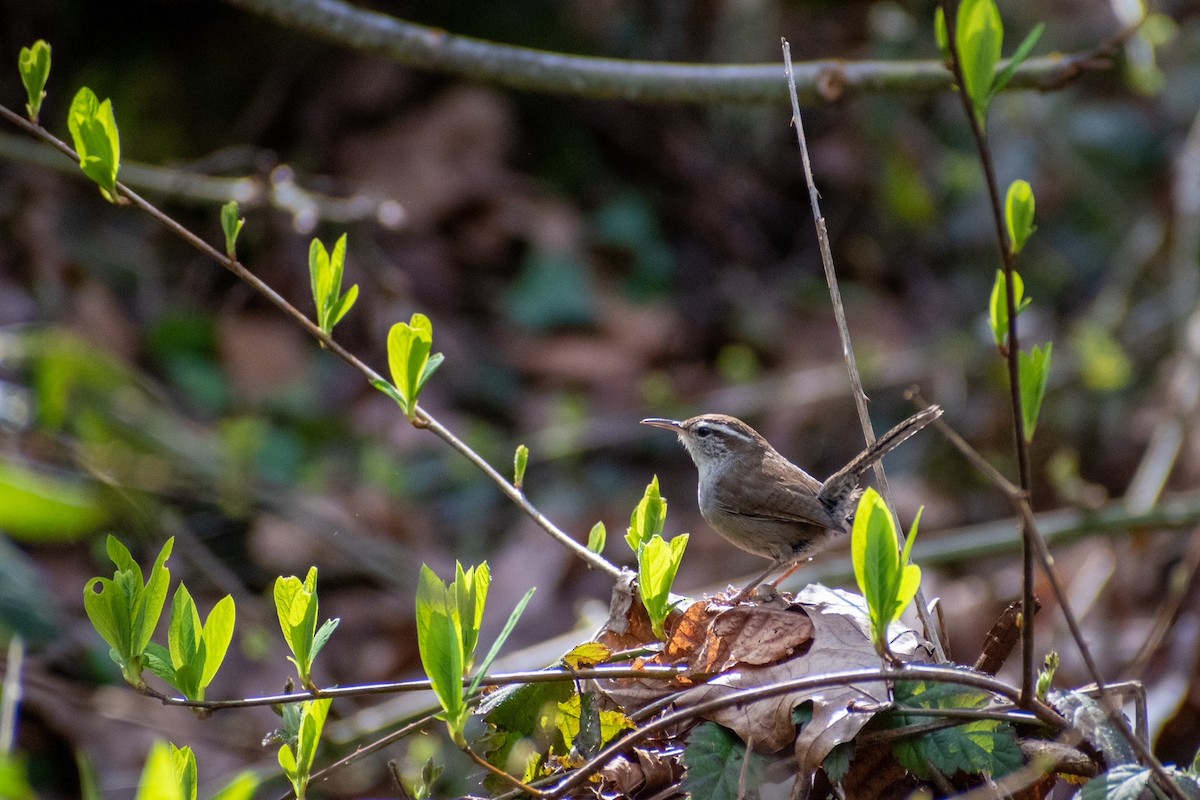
{"points": [[772, 500]]}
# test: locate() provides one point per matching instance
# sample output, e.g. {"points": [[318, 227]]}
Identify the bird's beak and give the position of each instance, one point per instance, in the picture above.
{"points": [[669, 424]]}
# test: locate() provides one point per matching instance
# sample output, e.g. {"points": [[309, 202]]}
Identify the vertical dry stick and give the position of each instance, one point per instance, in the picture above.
{"points": [[839, 311]]}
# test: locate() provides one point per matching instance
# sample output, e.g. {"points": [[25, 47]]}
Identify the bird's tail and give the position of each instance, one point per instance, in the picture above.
{"points": [[842, 484]]}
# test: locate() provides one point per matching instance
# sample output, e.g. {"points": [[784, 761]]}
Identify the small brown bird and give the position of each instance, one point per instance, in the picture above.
{"points": [[763, 503]]}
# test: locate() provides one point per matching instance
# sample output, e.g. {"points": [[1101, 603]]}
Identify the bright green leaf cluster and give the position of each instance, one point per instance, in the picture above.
{"points": [[125, 611], [94, 130], [658, 560], [884, 576], [325, 269], [982, 747], [297, 761], [231, 226], [1034, 368], [409, 345], [979, 39], [1018, 214], [448, 622], [998, 306], [296, 604], [169, 774], [195, 651], [34, 64], [520, 462]]}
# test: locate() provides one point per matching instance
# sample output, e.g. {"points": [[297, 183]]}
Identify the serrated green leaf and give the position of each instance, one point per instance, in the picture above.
{"points": [[713, 765], [520, 462], [980, 39], [94, 130], [1018, 58], [34, 65], [1034, 369], [837, 763], [1124, 782], [597, 538], [231, 226], [1018, 214]]}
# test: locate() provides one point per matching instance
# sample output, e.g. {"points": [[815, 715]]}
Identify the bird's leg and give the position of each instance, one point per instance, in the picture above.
{"points": [[752, 585], [787, 573]]}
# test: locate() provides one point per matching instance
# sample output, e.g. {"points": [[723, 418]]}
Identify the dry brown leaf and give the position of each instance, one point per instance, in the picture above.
{"points": [[840, 642]]}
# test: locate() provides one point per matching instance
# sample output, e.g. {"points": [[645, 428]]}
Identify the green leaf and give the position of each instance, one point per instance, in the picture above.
{"points": [[231, 225], [648, 517], [41, 508], [312, 722], [439, 641], [837, 763], [1045, 678], [714, 764], [520, 462], [184, 642], [34, 64], [160, 780], [157, 659], [875, 552], [658, 562], [94, 131], [1018, 214], [183, 760], [998, 306], [981, 747], [321, 638], [940, 34], [1018, 58], [597, 538], [409, 359], [1034, 369], [505, 632], [980, 39], [325, 271], [1124, 782], [218, 633], [297, 606], [242, 787], [468, 593]]}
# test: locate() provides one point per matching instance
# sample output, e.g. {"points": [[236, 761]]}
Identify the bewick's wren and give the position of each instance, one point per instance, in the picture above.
{"points": [[765, 504]]}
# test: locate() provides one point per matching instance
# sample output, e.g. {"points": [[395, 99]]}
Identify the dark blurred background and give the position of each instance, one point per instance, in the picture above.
{"points": [[585, 264]]}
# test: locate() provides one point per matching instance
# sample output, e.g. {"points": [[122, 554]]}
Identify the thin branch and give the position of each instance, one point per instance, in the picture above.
{"points": [[1044, 713], [839, 312], [424, 419], [637, 81], [278, 190], [650, 672], [1007, 258]]}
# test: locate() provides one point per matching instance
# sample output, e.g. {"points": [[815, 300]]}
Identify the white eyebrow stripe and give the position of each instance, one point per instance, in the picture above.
{"points": [[729, 429]]}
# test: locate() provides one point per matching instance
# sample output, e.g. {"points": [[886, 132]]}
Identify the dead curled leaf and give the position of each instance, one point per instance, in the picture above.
{"points": [[824, 631]]}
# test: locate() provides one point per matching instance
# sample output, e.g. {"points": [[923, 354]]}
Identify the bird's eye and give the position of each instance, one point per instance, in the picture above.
{"points": [[703, 431]]}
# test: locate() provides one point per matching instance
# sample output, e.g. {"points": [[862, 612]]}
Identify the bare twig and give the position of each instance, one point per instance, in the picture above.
{"points": [[636, 81], [839, 312], [424, 419]]}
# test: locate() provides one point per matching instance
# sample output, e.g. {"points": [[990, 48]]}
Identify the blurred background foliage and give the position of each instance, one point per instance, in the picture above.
{"points": [[586, 264]]}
